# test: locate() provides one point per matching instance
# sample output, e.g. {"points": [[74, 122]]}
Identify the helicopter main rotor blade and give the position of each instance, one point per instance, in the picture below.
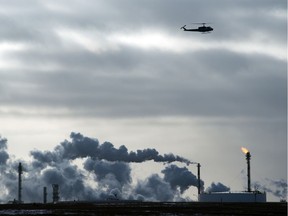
{"points": [[203, 23]]}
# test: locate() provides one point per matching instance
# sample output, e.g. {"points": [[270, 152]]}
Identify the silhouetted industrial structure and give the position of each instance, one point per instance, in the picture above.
{"points": [[246, 196], [248, 157], [199, 180], [44, 195], [20, 170], [55, 193]]}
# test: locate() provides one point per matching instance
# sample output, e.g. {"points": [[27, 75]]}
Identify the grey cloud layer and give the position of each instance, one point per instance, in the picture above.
{"points": [[122, 80], [44, 16], [174, 89]]}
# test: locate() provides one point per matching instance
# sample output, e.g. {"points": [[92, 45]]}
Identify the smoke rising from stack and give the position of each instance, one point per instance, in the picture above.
{"points": [[104, 172], [3, 154], [81, 147], [155, 188], [276, 187], [121, 171], [217, 187], [180, 178]]}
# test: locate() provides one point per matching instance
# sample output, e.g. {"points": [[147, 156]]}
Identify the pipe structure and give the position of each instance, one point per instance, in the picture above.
{"points": [[44, 195], [248, 157], [55, 193], [20, 170], [199, 180]]}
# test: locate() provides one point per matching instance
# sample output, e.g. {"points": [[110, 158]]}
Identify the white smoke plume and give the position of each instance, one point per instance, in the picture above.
{"points": [[180, 178], [3, 154], [105, 173], [217, 187], [81, 147], [276, 187]]}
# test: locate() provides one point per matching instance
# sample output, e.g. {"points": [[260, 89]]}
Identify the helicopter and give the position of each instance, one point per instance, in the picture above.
{"points": [[203, 28]]}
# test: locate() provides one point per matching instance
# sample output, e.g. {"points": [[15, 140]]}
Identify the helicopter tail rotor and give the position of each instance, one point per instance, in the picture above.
{"points": [[183, 27]]}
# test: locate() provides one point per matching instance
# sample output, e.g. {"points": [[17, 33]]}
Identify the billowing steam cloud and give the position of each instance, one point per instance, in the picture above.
{"points": [[3, 154], [175, 182], [155, 188], [84, 169], [180, 178], [119, 171], [81, 147], [217, 187], [277, 188]]}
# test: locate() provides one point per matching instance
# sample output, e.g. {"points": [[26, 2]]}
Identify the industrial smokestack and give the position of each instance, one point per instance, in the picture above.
{"points": [[199, 181], [20, 183], [55, 193], [248, 157], [45, 195]]}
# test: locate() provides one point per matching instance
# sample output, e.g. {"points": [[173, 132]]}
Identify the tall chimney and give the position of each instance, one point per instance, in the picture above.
{"points": [[248, 157], [199, 181], [44, 195], [20, 183], [55, 193]]}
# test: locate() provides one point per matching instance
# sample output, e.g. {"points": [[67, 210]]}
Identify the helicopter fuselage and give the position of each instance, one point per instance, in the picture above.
{"points": [[199, 29]]}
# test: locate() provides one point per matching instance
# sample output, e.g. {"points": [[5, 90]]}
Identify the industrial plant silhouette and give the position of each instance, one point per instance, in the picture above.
{"points": [[60, 179]]}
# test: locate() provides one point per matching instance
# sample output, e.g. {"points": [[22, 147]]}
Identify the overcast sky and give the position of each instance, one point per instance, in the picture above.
{"points": [[123, 71]]}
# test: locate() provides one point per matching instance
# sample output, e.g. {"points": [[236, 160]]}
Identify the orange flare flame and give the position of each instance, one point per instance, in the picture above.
{"points": [[244, 150]]}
